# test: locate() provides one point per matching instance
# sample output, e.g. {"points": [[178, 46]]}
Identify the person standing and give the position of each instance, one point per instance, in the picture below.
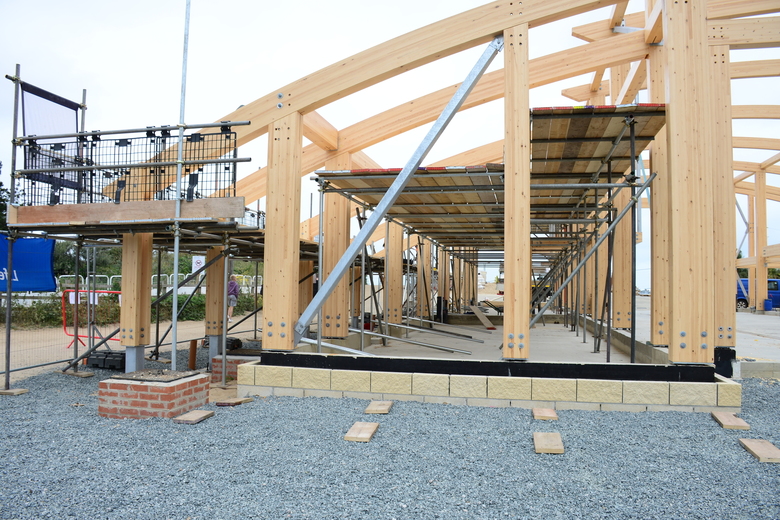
{"points": [[232, 296]]}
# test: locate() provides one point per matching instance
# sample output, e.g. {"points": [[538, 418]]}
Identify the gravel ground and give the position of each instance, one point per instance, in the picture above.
{"points": [[286, 458]]}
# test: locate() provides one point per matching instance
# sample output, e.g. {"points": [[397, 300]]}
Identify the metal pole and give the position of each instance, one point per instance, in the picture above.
{"points": [[362, 298], [177, 216], [631, 123], [403, 178], [320, 271], [598, 243], [8, 289], [76, 308], [226, 278], [419, 343], [257, 270]]}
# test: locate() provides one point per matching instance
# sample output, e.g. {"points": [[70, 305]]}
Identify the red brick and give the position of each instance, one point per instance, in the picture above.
{"points": [[161, 389], [167, 397], [189, 391], [118, 386], [129, 395], [149, 397], [139, 404], [107, 393], [128, 411], [107, 409]]}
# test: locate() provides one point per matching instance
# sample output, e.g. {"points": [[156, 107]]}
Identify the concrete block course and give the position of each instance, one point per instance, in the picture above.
{"points": [[619, 407], [468, 386], [646, 392], [333, 394], [403, 397], [488, 403], [513, 388], [729, 394], [455, 401], [391, 383], [311, 378], [246, 375], [599, 391], [574, 405], [431, 384], [266, 375], [553, 389], [350, 380], [261, 391], [693, 394], [288, 392]]}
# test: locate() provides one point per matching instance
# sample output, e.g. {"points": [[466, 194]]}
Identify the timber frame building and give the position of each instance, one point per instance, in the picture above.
{"points": [[549, 190]]}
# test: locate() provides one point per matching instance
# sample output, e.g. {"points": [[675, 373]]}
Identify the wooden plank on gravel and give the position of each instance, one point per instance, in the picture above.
{"points": [[545, 414], [763, 450], [193, 417], [730, 421], [14, 391], [361, 431], [479, 314], [234, 401], [379, 407], [548, 442]]}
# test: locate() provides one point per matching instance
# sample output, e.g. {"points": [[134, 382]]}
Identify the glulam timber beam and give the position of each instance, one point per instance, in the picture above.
{"points": [[755, 112], [623, 48], [583, 93], [752, 33], [637, 77], [717, 9], [749, 189], [763, 143], [654, 23], [769, 162], [389, 59], [753, 167], [319, 131], [755, 69]]}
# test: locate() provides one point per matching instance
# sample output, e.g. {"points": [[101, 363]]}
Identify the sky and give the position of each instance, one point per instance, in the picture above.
{"points": [[128, 57]]}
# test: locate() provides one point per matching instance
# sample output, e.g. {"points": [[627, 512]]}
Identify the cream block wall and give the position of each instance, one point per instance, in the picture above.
{"points": [[558, 393], [350, 380], [391, 383], [645, 392], [509, 388], [553, 389], [468, 386], [431, 384]]}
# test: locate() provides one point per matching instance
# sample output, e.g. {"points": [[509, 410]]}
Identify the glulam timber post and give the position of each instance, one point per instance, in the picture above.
{"points": [[517, 181], [135, 316], [335, 311], [394, 277], [689, 122], [282, 248], [305, 287], [621, 266], [761, 285], [442, 305], [215, 291], [659, 204], [724, 219], [424, 279]]}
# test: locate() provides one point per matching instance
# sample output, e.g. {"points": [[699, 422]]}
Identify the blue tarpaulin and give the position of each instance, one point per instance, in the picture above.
{"points": [[33, 265]]}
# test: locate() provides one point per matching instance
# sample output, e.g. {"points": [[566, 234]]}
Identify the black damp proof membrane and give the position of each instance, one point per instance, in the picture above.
{"points": [[611, 371], [156, 375]]}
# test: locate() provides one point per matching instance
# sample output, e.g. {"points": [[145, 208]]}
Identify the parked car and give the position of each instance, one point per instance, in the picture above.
{"points": [[743, 298]]}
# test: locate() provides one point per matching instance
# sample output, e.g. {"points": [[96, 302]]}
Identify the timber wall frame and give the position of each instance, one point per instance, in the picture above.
{"points": [[688, 43], [678, 51]]}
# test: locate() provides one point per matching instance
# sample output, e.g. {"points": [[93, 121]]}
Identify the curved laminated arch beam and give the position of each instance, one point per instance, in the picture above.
{"points": [[425, 45], [543, 71]]}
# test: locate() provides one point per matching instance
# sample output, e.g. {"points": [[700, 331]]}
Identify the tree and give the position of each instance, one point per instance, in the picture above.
{"points": [[741, 271]]}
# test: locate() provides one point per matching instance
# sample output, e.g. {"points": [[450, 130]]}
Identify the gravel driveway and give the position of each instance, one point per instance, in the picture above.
{"points": [[286, 458]]}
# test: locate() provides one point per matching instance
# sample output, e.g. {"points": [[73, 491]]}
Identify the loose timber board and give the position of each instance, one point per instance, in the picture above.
{"points": [[361, 431], [193, 417], [545, 414], [548, 442], [14, 391], [479, 314], [234, 401], [763, 450], [729, 421], [382, 407]]}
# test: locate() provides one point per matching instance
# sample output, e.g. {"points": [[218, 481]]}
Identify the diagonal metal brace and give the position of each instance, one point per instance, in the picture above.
{"points": [[395, 189]]}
